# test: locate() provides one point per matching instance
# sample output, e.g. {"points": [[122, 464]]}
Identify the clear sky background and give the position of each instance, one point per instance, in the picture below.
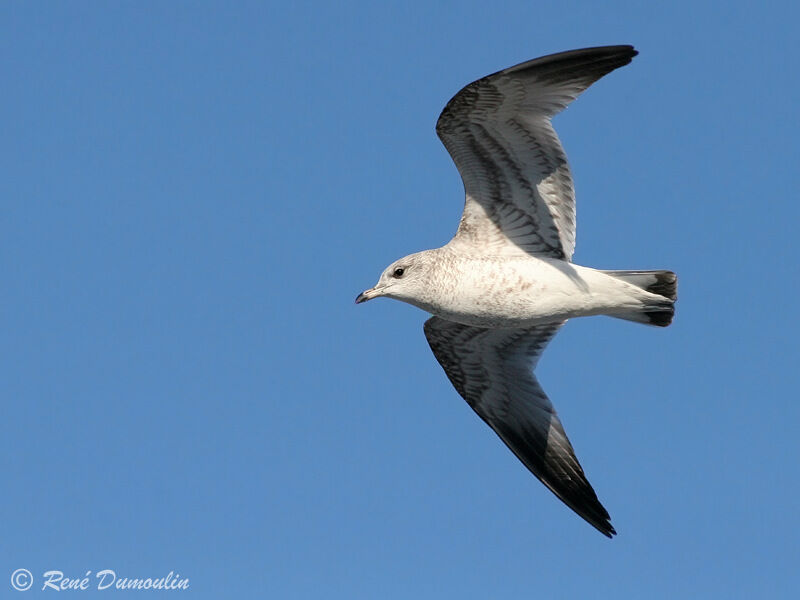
{"points": [[194, 193]]}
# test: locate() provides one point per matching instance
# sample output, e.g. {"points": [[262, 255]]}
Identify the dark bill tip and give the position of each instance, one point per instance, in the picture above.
{"points": [[367, 295]]}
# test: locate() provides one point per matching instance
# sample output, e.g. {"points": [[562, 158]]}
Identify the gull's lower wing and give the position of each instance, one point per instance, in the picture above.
{"points": [[492, 369], [518, 185]]}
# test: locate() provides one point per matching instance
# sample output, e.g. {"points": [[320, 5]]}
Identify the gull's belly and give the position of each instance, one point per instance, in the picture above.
{"points": [[518, 292]]}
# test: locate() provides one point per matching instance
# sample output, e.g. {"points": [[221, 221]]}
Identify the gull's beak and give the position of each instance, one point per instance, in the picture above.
{"points": [[367, 295]]}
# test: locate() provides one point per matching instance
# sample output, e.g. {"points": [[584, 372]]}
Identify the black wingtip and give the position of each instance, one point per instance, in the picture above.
{"points": [[602, 59], [583, 500], [597, 516], [607, 530]]}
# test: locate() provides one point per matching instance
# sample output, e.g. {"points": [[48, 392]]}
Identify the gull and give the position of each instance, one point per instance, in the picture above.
{"points": [[505, 284]]}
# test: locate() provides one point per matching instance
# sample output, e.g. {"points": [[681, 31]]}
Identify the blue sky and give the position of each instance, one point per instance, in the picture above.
{"points": [[194, 193]]}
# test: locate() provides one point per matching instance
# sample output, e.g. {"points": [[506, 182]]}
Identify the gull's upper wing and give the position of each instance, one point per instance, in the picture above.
{"points": [[516, 178], [492, 369]]}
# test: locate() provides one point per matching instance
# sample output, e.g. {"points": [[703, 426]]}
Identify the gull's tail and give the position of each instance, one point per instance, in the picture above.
{"points": [[660, 311]]}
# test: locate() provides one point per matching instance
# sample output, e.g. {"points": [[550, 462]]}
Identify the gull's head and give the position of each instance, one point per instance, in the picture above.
{"points": [[404, 280]]}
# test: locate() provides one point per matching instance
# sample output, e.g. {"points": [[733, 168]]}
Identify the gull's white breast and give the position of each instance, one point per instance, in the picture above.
{"points": [[503, 291]]}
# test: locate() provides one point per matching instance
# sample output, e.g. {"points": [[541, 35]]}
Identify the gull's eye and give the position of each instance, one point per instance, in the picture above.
{"points": [[398, 272]]}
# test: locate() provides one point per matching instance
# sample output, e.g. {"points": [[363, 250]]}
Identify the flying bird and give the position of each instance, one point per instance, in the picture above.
{"points": [[504, 285]]}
